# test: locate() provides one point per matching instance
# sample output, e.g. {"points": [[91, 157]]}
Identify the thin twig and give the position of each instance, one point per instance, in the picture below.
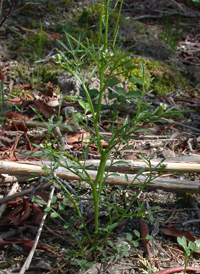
{"points": [[58, 134], [71, 190], [23, 193], [6, 17], [14, 188], [164, 15], [1, 7], [170, 121], [30, 256]]}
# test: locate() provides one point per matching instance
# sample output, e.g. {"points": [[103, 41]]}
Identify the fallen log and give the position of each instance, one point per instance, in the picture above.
{"points": [[32, 170]]}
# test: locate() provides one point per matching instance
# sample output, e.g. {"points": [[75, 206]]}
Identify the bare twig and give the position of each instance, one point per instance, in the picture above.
{"points": [[164, 15], [8, 14], [14, 188], [30, 256], [60, 136], [1, 4], [23, 193], [70, 189], [178, 5], [170, 121]]}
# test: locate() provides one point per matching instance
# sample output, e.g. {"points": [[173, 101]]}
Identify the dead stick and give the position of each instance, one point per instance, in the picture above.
{"points": [[23, 193], [30, 256], [130, 166], [158, 183]]}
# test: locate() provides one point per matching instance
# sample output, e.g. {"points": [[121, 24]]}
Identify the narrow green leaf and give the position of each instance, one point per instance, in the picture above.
{"points": [[135, 243], [126, 178], [148, 237], [129, 236], [114, 174], [137, 233], [112, 96], [62, 206], [92, 73], [111, 243], [134, 93], [47, 209], [82, 104], [39, 201], [93, 92], [134, 79], [142, 67], [121, 91], [113, 81], [54, 199], [54, 215], [68, 127], [120, 163], [128, 65]]}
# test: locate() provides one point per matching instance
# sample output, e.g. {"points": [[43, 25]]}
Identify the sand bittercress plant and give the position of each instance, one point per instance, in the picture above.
{"points": [[105, 59]]}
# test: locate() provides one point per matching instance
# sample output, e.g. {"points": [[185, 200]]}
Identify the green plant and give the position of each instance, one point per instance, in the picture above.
{"points": [[39, 48], [172, 34], [106, 60], [189, 249], [121, 247]]}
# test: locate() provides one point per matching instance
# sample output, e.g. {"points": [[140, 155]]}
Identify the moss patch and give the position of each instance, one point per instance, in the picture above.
{"points": [[49, 72], [166, 78]]}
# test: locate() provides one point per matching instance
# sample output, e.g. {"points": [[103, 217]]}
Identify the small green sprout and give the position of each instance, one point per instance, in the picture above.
{"points": [[189, 249]]}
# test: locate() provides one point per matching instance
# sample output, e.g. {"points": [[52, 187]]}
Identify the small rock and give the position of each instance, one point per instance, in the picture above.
{"points": [[68, 84]]}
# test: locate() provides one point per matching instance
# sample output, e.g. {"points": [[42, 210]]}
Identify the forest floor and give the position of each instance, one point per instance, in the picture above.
{"points": [[162, 33]]}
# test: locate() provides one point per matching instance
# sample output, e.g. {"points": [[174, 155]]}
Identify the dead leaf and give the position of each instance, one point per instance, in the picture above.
{"points": [[144, 231], [174, 233], [44, 109], [16, 115], [79, 137]]}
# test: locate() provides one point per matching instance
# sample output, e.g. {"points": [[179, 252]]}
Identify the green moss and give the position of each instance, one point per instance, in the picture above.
{"points": [[166, 78], [90, 15], [18, 72], [49, 72], [22, 73], [27, 46]]}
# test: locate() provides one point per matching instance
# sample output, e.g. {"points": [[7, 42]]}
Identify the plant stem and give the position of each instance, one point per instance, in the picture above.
{"points": [[97, 192], [106, 24], [117, 24]]}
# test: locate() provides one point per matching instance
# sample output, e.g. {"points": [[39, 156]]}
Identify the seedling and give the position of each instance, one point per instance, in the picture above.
{"points": [[189, 248]]}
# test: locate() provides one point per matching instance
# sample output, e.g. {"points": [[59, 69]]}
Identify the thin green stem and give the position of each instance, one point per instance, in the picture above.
{"points": [[76, 208], [106, 24], [125, 212], [117, 24], [97, 192], [100, 24]]}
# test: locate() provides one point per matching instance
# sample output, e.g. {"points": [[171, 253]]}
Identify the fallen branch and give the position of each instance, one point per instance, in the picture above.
{"points": [[192, 164], [168, 184]]}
